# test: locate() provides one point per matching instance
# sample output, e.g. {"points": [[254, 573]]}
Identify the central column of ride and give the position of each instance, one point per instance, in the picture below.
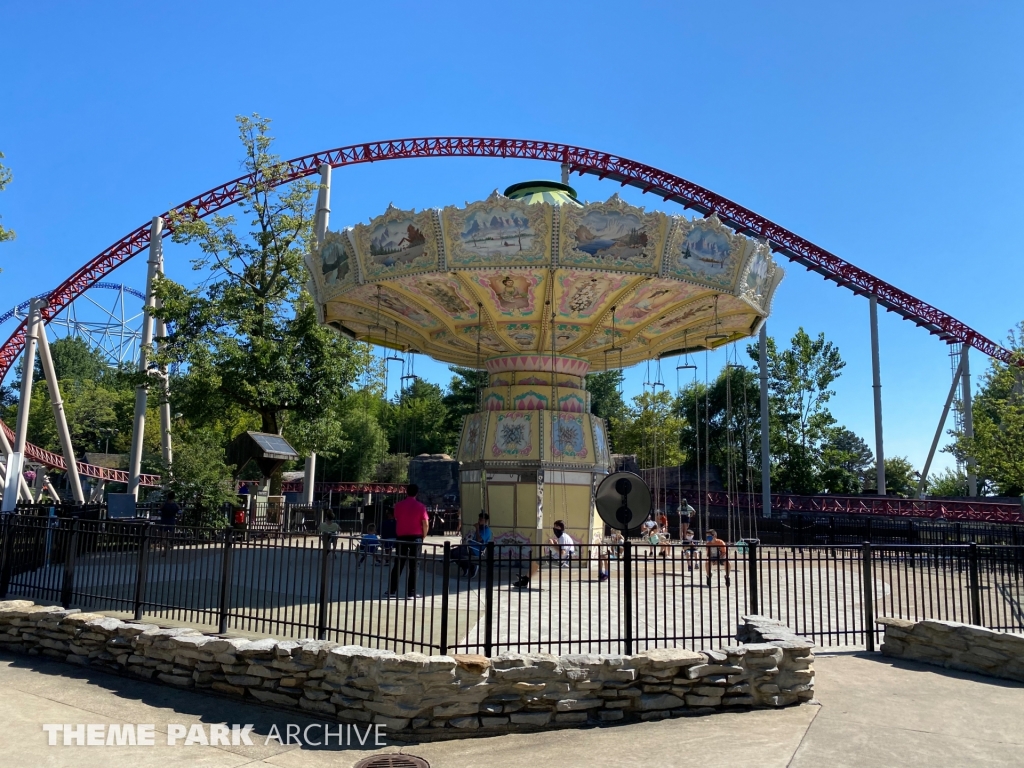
{"points": [[534, 452]]}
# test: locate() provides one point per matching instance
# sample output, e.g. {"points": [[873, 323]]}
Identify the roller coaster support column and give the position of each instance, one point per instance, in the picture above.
{"points": [[165, 392], [876, 385], [965, 399], [16, 459], [141, 390], [323, 216], [50, 374], [5, 445], [766, 459]]}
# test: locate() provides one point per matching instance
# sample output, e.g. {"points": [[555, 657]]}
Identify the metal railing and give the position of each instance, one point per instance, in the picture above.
{"points": [[602, 598]]}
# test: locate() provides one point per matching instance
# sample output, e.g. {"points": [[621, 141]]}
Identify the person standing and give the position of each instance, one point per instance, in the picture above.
{"points": [[686, 512], [169, 512], [411, 523]]}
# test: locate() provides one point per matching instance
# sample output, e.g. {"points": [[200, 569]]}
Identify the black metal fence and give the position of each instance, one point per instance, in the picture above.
{"points": [[611, 597]]}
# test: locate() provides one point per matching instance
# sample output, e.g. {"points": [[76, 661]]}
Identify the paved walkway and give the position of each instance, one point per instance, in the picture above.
{"points": [[873, 712]]}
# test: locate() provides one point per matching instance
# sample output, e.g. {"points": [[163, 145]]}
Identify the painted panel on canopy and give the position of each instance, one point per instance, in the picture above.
{"points": [[652, 298], [600, 441], [397, 243], [612, 235], [498, 232], [707, 251], [363, 324], [758, 280], [442, 292], [393, 303], [511, 293], [581, 294], [697, 313], [335, 265], [490, 342], [522, 335]]}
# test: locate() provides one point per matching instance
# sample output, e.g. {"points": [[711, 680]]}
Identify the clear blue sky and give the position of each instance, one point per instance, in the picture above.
{"points": [[888, 133]]}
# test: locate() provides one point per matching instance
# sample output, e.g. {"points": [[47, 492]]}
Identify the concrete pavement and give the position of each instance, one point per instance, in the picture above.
{"points": [[873, 712]]}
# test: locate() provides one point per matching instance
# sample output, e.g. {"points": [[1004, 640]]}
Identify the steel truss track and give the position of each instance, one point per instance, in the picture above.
{"points": [[646, 178]]}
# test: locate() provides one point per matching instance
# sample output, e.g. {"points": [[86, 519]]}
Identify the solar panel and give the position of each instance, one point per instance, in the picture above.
{"points": [[273, 444]]}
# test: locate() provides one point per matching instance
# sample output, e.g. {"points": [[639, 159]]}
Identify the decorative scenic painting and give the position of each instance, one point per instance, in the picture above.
{"points": [[611, 235], [513, 435], [497, 231], [335, 261], [397, 242], [472, 438], [650, 298], [705, 250], [600, 441], [759, 274], [394, 302]]}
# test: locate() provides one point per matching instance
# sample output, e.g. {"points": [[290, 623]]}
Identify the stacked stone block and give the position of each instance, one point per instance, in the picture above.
{"points": [[953, 645], [429, 696]]}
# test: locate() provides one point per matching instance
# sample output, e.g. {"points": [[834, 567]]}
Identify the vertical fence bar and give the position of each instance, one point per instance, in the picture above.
{"points": [[975, 584], [67, 588], [225, 581], [141, 570], [627, 594], [489, 610], [869, 597], [446, 571], [321, 619], [7, 569], [752, 590]]}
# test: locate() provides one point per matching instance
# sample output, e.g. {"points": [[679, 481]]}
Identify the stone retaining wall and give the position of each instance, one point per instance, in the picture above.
{"points": [[956, 646], [429, 696]]}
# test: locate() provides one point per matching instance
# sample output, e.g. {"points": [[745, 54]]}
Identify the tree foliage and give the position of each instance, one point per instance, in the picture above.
{"points": [[5, 179], [200, 479], [650, 430], [606, 402]]}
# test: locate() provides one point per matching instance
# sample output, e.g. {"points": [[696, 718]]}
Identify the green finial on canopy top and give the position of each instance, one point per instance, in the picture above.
{"points": [[543, 192]]}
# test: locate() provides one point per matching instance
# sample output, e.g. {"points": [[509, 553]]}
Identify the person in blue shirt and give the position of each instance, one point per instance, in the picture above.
{"points": [[369, 545], [474, 547]]}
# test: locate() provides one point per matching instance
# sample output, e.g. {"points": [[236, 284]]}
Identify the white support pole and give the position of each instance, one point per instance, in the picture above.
{"points": [[965, 400], [938, 430], [323, 217], [5, 446], [876, 385], [16, 459], [51, 490], [766, 464], [50, 374], [307, 480], [165, 391], [141, 391]]}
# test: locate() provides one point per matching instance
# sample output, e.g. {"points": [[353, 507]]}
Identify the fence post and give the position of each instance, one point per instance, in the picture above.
{"points": [[489, 616], [69, 565], [869, 597], [225, 580], [142, 569], [975, 584], [7, 571], [752, 586], [627, 594], [325, 550], [446, 572]]}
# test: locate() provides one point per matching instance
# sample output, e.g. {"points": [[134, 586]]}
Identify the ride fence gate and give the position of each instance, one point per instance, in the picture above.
{"points": [[502, 598]]}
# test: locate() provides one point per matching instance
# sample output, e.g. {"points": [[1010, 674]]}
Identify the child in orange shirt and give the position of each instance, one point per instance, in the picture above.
{"points": [[718, 553]]}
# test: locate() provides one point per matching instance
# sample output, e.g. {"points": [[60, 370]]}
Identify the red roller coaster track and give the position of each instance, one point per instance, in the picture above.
{"points": [[582, 161]]}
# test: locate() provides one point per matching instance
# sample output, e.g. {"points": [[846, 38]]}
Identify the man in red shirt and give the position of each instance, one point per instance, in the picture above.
{"points": [[412, 522]]}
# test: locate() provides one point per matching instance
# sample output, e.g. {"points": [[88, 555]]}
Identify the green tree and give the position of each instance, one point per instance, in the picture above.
{"points": [[75, 360], [200, 479], [998, 410], [950, 482], [845, 461], [799, 381], [418, 422], [900, 478], [460, 400], [249, 332], [5, 179], [606, 401], [650, 429]]}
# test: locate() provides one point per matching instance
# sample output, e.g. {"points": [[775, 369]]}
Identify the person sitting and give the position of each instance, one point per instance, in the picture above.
{"points": [[329, 530], [718, 553], [561, 545], [468, 554], [369, 545]]}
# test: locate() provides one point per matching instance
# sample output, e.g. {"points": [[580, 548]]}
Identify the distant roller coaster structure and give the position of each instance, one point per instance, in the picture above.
{"points": [[647, 179], [109, 327]]}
